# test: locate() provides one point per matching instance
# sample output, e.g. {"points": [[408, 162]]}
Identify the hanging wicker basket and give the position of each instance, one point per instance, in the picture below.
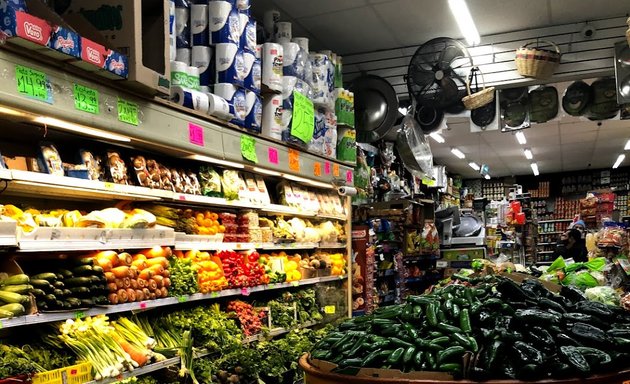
{"points": [[628, 31], [535, 62], [480, 98]]}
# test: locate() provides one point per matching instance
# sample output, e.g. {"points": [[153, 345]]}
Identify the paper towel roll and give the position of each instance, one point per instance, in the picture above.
{"points": [[182, 24], [183, 55], [193, 77], [179, 74], [243, 19], [270, 18], [243, 6], [253, 80], [283, 32], [347, 191], [272, 56], [258, 51], [199, 24], [236, 97], [218, 107], [248, 38], [190, 98], [172, 40], [205, 89], [224, 22], [272, 117], [248, 63], [229, 64], [253, 119], [291, 66], [202, 59]]}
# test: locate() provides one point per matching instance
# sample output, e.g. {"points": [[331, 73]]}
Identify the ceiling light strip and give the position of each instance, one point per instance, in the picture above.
{"points": [[458, 153], [619, 160], [465, 22]]}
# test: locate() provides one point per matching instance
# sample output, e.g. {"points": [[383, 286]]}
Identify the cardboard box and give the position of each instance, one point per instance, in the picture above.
{"points": [[23, 29], [136, 28], [64, 44], [92, 56]]}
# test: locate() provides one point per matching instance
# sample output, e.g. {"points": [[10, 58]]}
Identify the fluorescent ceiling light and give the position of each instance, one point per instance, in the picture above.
{"points": [[266, 171], [80, 128], [487, 177], [214, 160], [620, 159], [437, 137], [627, 145], [474, 166], [458, 153], [464, 20], [535, 169], [520, 136], [528, 154]]}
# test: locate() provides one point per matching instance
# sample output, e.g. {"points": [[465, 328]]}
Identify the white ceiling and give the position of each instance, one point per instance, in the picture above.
{"points": [[357, 26]]}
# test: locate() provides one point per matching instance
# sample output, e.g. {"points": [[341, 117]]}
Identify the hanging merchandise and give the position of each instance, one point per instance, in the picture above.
{"points": [[477, 98], [413, 148], [622, 72], [604, 104], [429, 118], [375, 105], [543, 104], [346, 144], [514, 108], [577, 98], [537, 62]]}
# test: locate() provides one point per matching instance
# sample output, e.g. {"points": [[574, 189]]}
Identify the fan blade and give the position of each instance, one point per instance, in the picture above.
{"points": [[422, 78]]}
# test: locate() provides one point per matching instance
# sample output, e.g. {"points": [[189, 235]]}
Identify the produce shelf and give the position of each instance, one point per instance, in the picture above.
{"points": [[51, 317], [332, 245], [139, 371], [288, 246], [545, 243], [550, 233], [554, 221]]}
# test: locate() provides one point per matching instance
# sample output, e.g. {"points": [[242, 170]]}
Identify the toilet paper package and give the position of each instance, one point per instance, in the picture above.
{"points": [[303, 57], [183, 55], [319, 132], [236, 98], [205, 89], [230, 67], [270, 19], [253, 117], [193, 78], [272, 117], [242, 6], [272, 59], [224, 22], [179, 74], [347, 144], [219, 107], [172, 40], [248, 36], [251, 65], [283, 32], [190, 98], [319, 84], [330, 137], [202, 59], [289, 85], [293, 62], [182, 24], [199, 24]]}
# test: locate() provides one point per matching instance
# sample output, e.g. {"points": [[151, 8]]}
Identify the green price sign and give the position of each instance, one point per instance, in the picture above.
{"points": [[85, 99], [79, 315], [248, 148], [33, 84], [182, 299], [127, 112], [303, 121]]}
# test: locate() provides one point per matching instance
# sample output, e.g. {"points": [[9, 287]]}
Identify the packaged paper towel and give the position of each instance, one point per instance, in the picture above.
{"points": [[224, 22]]}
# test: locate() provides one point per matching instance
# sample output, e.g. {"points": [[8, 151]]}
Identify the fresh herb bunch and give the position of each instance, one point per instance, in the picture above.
{"points": [[183, 277]]}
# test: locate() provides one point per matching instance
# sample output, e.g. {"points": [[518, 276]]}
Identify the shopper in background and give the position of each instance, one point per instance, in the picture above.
{"points": [[574, 246]]}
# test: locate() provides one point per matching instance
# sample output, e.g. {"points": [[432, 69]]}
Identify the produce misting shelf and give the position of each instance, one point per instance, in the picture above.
{"points": [[51, 317], [188, 243]]}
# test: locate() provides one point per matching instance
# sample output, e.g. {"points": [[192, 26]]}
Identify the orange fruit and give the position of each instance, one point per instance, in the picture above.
{"points": [[207, 223], [212, 230], [214, 216], [221, 229], [199, 218]]}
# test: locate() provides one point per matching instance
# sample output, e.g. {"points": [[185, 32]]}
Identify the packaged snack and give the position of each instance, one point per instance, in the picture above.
{"points": [[196, 187], [248, 218], [314, 202], [210, 182], [166, 178], [266, 235], [155, 177], [231, 184], [243, 192], [140, 168], [117, 168], [262, 190], [176, 180], [92, 163], [255, 235], [252, 189], [50, 160], [285, 192]]}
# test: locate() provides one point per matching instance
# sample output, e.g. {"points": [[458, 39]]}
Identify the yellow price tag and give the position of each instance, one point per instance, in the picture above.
{"points": [[295, 283], [109, 186], [329, 309]]}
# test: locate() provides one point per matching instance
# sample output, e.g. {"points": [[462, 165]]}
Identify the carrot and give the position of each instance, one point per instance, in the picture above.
{"points": [[110, 277], [152, 296], [158, 293], [156, 269], [168, 252], [146, 274], [159, 280], [124, 259], [134, 352], [141, 283], [152, 285], [134, 283], [119, 283], [131, 294], [179, 254], [139, 256], [121, 272], [109, 255], [122, 296], [166, 282], [112, 287], [140, 264], [156, 251], [105, 263], [166, 273], [158, 261], [164, 292], [126, 282], [133, 272], [139, 295], [146, 292], [113, 298]]}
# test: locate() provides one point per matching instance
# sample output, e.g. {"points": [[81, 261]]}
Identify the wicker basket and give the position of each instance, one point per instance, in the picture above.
{"points": [[535, 62], [480, 98], [628, 31]]}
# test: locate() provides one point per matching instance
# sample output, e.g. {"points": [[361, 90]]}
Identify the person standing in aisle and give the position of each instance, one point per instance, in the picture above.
{"points": [[574, 246]]}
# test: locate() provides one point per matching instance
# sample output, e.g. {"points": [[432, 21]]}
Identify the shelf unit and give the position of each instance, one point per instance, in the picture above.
{"points": [[554, 221]]}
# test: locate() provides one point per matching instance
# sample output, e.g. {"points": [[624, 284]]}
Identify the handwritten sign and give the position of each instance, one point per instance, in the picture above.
{"points": [[329, 309], [303, 118], [317, 169], [33, 84], [195, 134], [327, 168], [349, 177], [85, 99], [248, 148], [294, 160], [272, 156], [127, 112], [336, 170]]}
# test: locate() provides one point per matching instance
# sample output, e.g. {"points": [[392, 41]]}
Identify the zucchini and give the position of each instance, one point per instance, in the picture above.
{"points": [[78, 281], [11, 297], [58, 284], [38, 292], [42, 306], [84, 270], [50, 299], [84, 261], [58, 293], [5, 314], [15, 280], [94, 279], [15, 308], [73, 302], [80, 290], [87, 303], [101, 300], [21, 289], [98, 269], [59, 276], [48, 276], [42, 284], [65, 273]]}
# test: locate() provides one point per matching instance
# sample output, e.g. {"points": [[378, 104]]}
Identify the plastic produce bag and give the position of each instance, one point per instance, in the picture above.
{"points": [[605, 295], [582, 280], [210, 182], [557, 264]]}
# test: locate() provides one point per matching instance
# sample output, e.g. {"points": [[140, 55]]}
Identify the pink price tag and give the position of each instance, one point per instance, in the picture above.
{"points": [[182, 197], [195, 134], [349, 177], [143, 305], [327, 168], [245, 291], [272, 155]]}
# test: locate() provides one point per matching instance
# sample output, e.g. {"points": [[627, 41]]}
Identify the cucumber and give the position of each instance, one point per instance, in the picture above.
{"points": [[84, 270], [87, 303], [42, 305], [15, 308], [78, 282], [74, 302], [50, 299], [65, 273], [59, 305], [80, 290], [22, 289], [48, 276], [59, 276], [98, 269], [58, 293], [67, 292], [38, 292], [5, 314], [101, 300], [15, 280], [42, 284], [10, 297], [58, 284], [84, 261], [95, 279]]}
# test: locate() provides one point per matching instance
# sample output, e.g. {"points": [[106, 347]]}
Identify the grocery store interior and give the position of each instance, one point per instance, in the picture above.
{"points": [[314, 192]]}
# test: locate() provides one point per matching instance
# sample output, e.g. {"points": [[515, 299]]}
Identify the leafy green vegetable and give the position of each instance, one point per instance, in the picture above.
{"points": [[183, 277]]}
